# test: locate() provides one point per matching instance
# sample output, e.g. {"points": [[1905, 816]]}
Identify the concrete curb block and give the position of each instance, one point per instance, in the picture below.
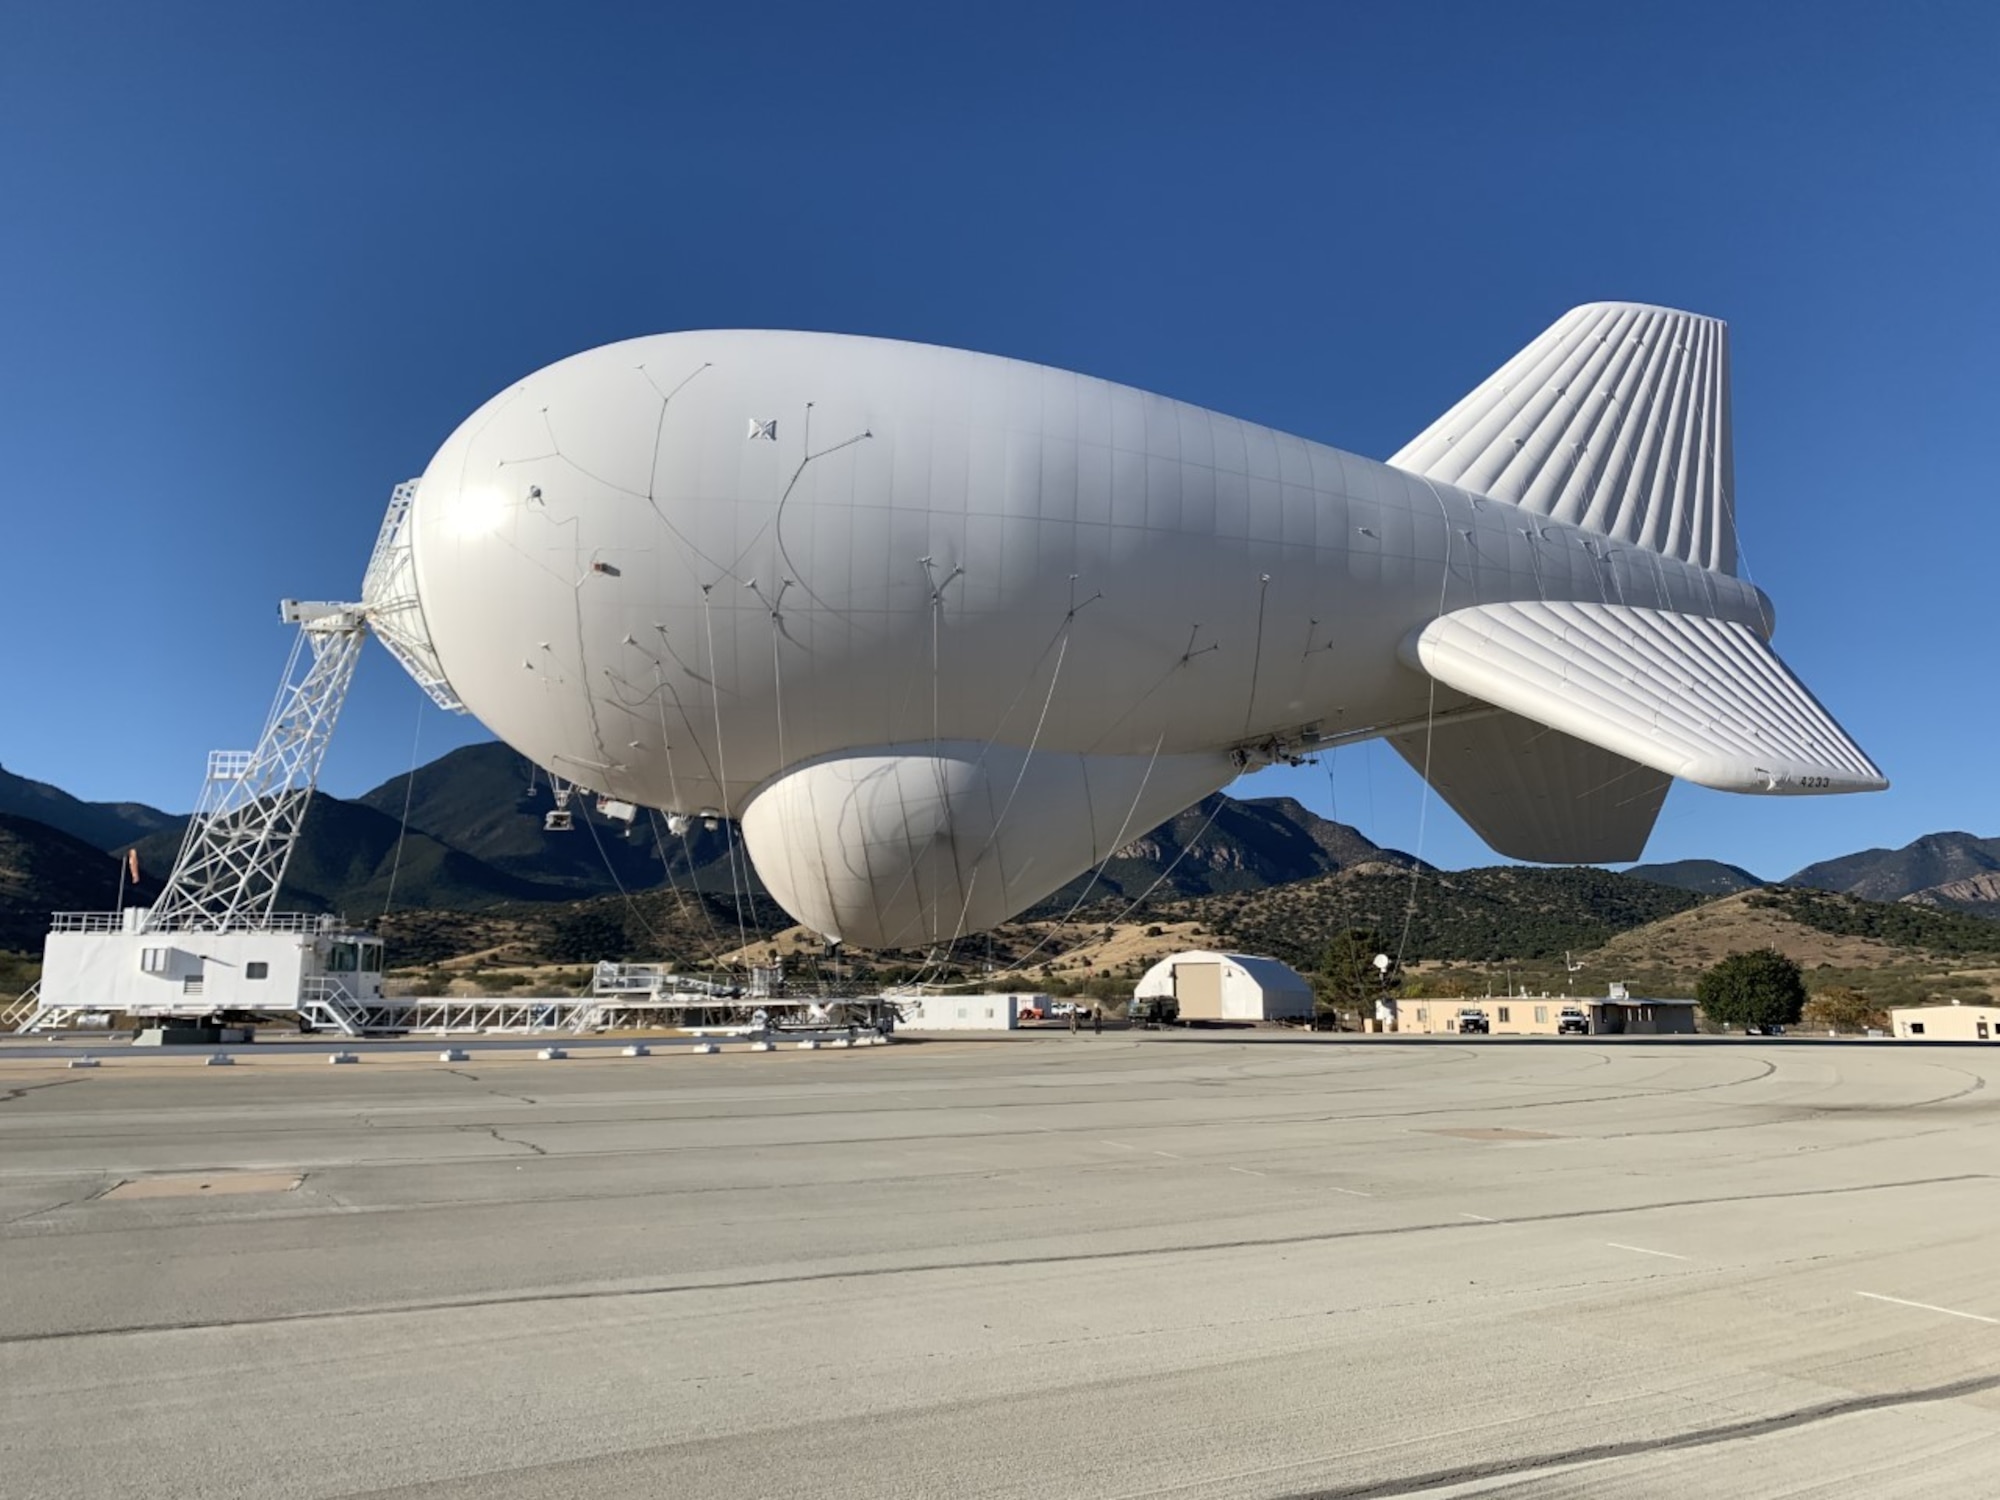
{"points": [[551, 1054], [809, 1045], [342, 1057], [637, 1049], [451, 1054], [760, 1046], [218, 1060], [83, 1062], [705, 1049]]}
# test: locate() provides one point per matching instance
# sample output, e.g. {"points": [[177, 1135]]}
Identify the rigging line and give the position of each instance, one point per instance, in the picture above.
{"points": [[660, 427], [1343, 897], [1021, 775], [674, 790], [409, 791], [937, 769], [1430, 728], [1058, 642], [722, 769], [1140, 702], [666, 864], [937, 765], [609, 869], [777, 522], [1117, 843], [1257, 651], [776, 605], [1186, 849], [917, 856]]}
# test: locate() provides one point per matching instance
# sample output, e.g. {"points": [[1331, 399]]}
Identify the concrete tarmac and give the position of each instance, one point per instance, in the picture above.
{"points": [[1112, 1266]]}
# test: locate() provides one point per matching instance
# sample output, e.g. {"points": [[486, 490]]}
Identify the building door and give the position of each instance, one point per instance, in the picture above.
{"points": [[1198, 989]]}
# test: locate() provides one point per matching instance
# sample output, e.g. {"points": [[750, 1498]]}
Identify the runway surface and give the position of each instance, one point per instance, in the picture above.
{"points": [[1062, 1266]]}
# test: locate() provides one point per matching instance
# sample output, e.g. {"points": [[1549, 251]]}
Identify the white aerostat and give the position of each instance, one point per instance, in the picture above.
{"points": [[944, 630]]}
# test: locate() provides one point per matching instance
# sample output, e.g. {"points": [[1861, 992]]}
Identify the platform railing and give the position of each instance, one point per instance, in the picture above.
{"points": [[114, 921]]}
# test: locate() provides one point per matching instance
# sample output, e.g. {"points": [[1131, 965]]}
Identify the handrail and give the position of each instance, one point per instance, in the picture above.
{"points": [[114, 921]]}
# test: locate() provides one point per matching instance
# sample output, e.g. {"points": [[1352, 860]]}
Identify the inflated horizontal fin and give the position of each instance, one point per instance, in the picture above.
{"points": [[1702, 699]]}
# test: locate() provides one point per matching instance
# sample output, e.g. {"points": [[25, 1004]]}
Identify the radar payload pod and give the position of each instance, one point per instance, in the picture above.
{"points": [[944, 630]]}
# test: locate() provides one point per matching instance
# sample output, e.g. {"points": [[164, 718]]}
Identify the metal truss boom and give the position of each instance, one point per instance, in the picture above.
{"points": [[241, 837]]}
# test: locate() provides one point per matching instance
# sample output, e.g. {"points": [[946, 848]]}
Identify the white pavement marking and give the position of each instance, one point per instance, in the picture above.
{"points": [[1119, 1144], [1170, 1156], [1353, 1192], [1949, 1312], [1480, 1217], [1246, 1171], [1642, 1250]]}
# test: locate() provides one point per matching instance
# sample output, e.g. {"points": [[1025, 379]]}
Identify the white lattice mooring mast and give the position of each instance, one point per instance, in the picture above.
{"points": [[214, 940], [240, 840], [253, 802]]}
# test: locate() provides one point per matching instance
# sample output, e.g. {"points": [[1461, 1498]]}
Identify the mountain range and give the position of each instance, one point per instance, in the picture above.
{"points": [[466, 833]]}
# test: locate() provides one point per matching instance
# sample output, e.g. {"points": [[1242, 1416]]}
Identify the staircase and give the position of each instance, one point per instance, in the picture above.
{"points": [[20, 1014], [325, 1005]]}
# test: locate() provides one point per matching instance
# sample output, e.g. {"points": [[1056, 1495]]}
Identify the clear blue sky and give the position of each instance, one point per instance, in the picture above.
{"points": [[257, 262]]}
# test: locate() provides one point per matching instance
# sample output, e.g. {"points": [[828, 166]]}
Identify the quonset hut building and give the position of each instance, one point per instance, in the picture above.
{"points": [[1209, 986]]}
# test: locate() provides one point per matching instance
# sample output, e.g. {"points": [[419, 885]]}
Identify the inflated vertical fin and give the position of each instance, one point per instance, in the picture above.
{"points": [[1538, 794], [1616, 419]]}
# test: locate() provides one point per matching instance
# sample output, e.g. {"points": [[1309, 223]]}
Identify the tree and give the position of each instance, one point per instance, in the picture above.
{"points": [[584, 936], [1347, 977], [1841, 1008], [1761, 988]]}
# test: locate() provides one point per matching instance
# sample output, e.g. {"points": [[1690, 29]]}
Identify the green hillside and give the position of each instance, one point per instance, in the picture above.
{"points": [[1899, 923], [1494, 913], [1707, 877]]}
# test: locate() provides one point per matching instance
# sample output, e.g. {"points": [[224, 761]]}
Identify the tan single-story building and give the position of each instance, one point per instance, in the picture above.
{"points": [[1947, 1023], [1541, 1015]]}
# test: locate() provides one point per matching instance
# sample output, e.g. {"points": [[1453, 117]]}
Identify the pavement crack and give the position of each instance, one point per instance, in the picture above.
{"points": [[8, 1096], [35, 1213], [918, 1268], [505, 1140], [1699, 1437]]}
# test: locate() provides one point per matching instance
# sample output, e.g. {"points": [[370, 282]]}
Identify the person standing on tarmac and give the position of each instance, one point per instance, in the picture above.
{"points": [[1072, 1020], [1097, 1020]]}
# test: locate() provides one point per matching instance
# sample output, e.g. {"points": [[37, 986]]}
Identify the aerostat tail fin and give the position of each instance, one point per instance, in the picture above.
{"points": [[1599, 707], [1535, 793], [1616, 420], [1701, 699]]}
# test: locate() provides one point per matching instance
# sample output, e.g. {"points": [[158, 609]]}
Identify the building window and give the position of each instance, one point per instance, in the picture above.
{"points": [[1504, 1016], [256, 969], [371, 958], [153, 960], [1541, 1014], [1916, 1028], [1423, 1014]]}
